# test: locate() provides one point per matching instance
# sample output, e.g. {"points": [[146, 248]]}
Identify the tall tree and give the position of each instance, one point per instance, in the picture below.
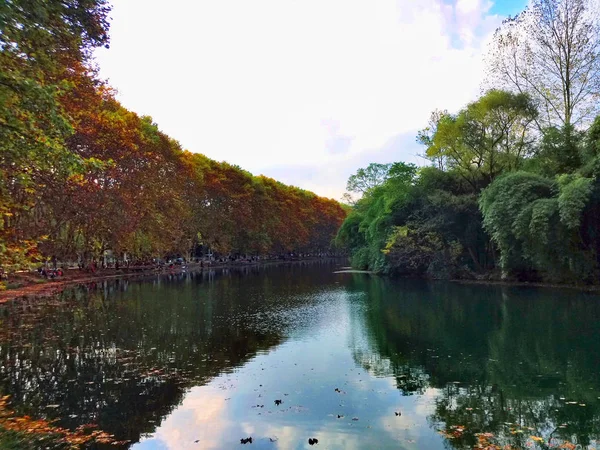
{"points": [[552, 51], [364, 179], [426, 135], [487, 137], [39, 41]]}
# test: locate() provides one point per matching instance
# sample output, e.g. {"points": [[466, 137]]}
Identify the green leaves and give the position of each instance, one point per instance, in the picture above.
{"points": [[574, 195], [365, 179], [507, 206], [414, 218], [40, 42], [536, 224], [484, 139]]}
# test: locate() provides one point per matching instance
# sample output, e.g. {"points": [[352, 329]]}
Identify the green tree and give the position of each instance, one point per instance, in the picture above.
{"points": [[489, 136], [368, 178], [559, 151], [538, 225], [39, 40]]}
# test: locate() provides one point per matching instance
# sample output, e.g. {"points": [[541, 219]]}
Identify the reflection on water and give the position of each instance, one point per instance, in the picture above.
{"points": [[199, 361]]}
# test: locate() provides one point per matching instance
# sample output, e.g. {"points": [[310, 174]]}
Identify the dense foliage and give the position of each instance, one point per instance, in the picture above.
{"points": [[508, 193], [530, 220], [418, 221], [80, 174]]}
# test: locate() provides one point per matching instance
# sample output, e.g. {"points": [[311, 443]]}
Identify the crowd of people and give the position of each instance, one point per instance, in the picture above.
{"points": [[51, 273]]}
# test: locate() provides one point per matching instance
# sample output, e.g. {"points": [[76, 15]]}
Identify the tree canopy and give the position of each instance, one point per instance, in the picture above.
{"points": [[512, 190], [80, 174], [552, 52]]}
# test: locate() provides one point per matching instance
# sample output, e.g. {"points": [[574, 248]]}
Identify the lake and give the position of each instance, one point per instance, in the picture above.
{"points": [[288, 353]]}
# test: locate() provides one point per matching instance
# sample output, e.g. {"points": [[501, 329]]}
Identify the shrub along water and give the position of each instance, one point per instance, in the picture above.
{"points": [[513, 187], [489, 206]]}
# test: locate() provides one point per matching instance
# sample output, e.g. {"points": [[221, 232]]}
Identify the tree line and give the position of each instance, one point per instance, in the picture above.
{"points": [[80, 174], [512, 190]]}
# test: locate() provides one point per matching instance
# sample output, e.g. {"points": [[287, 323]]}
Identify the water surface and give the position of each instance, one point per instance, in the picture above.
{"points": [[198, 361]]}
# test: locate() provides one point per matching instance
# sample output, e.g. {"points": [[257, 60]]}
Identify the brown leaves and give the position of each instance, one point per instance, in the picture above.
{"points": [[454, 432], [45, 429], [490, 441]]}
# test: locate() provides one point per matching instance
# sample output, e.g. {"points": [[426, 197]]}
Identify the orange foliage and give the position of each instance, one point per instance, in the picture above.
{"points": [[238, 212], [43, 429], [140, 193], [133, 189]]}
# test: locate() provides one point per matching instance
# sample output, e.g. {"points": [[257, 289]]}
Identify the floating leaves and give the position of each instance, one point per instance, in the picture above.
{"points": [[454, 432], [43, 429], [512, 438]]}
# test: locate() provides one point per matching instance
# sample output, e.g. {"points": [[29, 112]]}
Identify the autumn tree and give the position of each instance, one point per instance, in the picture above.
{"points": [[80, 174], [38, 41], [234, 212]]}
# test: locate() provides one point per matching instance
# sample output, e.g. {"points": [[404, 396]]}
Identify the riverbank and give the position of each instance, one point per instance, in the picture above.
{"points": [[592, 288], [585, 288], [30, 284]]}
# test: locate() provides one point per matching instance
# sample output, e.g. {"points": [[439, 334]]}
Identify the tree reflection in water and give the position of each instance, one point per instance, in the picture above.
{"points": [[121, 355], [497, 365], [519, 363]]}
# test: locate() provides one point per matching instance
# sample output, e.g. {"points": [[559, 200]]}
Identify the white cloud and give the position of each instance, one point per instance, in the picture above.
{"points": [[200, 417], [275, 83]]}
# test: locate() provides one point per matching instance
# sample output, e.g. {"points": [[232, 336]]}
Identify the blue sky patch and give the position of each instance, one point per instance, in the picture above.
{"points": [[508, 7]]}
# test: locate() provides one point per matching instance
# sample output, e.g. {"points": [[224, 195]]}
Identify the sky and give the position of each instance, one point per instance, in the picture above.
{"points": [[303, 91]]}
